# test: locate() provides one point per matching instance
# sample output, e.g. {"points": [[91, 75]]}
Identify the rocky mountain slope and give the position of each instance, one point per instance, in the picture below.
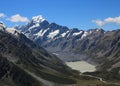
{"points": [[53, 37], [101, 46], [23, 63], [51, 34]]}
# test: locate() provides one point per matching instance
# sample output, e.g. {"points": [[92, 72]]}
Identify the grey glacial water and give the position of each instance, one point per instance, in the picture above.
{"points": [[77, 61], [82, 66]]}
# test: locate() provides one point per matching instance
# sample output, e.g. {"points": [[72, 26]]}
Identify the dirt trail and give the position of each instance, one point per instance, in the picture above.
{"points": [[99, 78]]}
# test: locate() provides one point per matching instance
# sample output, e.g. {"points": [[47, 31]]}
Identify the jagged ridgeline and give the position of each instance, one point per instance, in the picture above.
{"points": [[24, 63], [101, 46]]}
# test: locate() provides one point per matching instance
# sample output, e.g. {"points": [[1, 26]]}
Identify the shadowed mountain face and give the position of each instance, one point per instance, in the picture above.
{"points": [[107, 49], [101, 46], [53, 37], [23, 63]]}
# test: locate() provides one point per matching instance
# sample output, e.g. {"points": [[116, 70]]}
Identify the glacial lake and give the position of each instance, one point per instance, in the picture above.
{"points": [[81, 66]]}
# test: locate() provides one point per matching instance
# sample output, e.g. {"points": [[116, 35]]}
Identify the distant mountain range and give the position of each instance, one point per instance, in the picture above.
{"points": [[22, 54], [98, 44], [52, 35], [101, 46]]}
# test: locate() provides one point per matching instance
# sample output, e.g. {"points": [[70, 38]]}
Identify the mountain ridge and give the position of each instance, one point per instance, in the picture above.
{"points": [[45, 33], [92, 42], [25, 54], [19, 55]]}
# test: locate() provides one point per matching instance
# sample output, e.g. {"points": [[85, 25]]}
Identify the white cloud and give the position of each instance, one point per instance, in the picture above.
{"points": [[2, 15], [18, 18], [115, 20], [112, 20], [98, 22]]}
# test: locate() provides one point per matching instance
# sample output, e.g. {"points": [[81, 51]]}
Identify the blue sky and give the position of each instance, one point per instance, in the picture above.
{"points": [[82, 14]]}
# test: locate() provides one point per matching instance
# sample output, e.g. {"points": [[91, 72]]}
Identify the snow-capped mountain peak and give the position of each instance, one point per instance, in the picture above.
{"points": [[38, 19], [48, 34]]}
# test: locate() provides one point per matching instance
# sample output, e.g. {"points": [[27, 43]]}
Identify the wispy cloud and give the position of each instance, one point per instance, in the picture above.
{"points": [[18, 18], [115, 20], [2, 15], [98, 22]]}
